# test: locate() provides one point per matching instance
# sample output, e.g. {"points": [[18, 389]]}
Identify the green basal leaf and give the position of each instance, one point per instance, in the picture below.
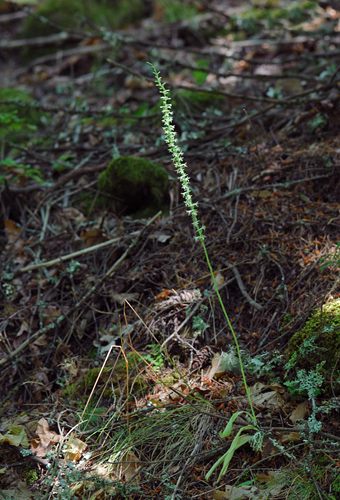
{"points": [[229, 427], [238, 441]]}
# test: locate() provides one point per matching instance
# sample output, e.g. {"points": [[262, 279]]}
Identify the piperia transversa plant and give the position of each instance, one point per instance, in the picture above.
{"points": [[180, 166]]}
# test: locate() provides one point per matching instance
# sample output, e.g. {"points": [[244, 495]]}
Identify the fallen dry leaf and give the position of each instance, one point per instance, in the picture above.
{"points": [[224, 363], [237, 493], [219, 279], [220, 495], [267, 395], [122, 297], [16, 436], [162, 238], [15, 241], [300, 412], [130, 467], [74, 449], [51, 313], [93, 237], [46, 438], [21, 492], [291, 437]]}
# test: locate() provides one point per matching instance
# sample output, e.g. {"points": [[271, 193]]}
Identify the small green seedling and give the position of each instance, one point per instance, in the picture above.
{"points": [[331, 259]]}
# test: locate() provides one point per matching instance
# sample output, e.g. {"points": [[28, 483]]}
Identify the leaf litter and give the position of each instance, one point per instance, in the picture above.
{"points": [[260, 135]]}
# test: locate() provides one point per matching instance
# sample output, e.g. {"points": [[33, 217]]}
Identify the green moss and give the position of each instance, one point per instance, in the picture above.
{"points": [[133, 186], [274, 14], [318, 340], [175, 10], [7, 93], [85, 202], [270, 12], [32, 476], [61, 12], [85, 384], [309, 5], [113, 378], [72, 15], [76, 15]]}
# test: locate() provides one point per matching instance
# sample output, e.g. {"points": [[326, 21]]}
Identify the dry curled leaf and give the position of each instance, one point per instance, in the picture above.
{"points": [[74, 449], [224, 363], [267, 395], [45, 440]]}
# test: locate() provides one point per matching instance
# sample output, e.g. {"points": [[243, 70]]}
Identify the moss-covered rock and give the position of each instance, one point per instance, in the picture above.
{"points": [[318, 340], [135, 186]]}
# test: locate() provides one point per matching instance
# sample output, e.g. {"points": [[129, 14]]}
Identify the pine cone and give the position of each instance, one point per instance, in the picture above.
{"points": [[202, 358]]}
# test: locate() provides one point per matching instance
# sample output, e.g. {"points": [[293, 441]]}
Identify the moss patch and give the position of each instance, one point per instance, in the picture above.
{"points": [[134, 186], [175, 10], [318, 340], [112, 380], [72, 14]]}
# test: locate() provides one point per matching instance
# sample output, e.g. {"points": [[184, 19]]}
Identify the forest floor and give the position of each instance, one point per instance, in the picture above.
{"points": [[118, 368]]}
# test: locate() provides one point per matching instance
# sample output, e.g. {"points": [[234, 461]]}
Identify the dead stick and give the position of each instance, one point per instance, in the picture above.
{"points": [[41, 40], [69, 256], [241, 286]]}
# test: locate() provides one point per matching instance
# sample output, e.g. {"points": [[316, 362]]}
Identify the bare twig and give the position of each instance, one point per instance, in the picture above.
{"points": [[39, 41], [64, 54], [69, 256], [13, 16], [129, 70], [247, 76], [241, 286], [230, 230], [282, 185], [175, 333], [189, 460]]}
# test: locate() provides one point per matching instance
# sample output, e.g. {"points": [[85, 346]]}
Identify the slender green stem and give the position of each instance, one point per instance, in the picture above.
{"points": [[177, 155], [232, 331]]}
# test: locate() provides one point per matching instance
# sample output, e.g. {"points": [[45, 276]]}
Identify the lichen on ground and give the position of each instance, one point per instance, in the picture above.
{"points": [[135, 186]]}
